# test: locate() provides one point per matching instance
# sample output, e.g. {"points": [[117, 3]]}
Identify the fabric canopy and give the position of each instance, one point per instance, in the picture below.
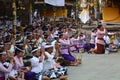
{"points": [[55, 2]]}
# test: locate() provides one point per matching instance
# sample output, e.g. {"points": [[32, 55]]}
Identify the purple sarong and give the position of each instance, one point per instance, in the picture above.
{"points": [[68, 57], [2, 78], [30, 75]]}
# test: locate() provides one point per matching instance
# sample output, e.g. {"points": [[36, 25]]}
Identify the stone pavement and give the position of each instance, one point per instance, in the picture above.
{"points": [[111, 28], [96, 67]]}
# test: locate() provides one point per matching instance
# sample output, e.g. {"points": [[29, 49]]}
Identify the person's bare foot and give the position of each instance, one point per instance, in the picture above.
{"points": [[74, 64], [45, 78], [79, 61], [63, 78], [11, 78], [91, 50]]}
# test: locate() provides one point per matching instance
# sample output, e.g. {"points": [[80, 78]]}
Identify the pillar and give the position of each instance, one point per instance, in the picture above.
{"points": [[30, 13], [14, 18]]}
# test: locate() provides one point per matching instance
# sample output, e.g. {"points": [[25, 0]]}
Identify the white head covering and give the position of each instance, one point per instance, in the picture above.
{"points": [[19, 49], [48, 46], [35, 49], [2, 52]]}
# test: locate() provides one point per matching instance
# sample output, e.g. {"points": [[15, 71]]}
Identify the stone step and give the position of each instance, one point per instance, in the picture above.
{"points": [[109, 27]]}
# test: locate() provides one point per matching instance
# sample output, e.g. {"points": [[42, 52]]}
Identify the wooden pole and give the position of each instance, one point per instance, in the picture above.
{"points": [[77, 12], [63, 13], [14, 18], [45, 12], [95, 8], [54, 15], [31, 11]]}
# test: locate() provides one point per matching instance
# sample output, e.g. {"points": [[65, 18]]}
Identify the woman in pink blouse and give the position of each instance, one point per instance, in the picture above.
{"points": [[65, 51], [100, 43], [93, 36], [74, 40], [19, 65], [18, 58], [3, 69]]}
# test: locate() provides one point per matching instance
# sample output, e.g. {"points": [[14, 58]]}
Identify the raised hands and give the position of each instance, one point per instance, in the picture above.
{"points": [[11, 56]]}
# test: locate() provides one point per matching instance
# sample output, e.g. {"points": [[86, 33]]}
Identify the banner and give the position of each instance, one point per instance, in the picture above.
{"points": [[55, 2], [84, 16]]}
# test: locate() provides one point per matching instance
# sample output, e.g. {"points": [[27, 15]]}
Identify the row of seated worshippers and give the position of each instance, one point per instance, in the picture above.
{"points": [[48, 51], [112, 43], [42, 67]]}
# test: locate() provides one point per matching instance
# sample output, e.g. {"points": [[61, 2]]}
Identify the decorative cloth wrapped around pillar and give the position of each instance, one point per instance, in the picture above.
{"points": [[84, 16], [83, 3]]}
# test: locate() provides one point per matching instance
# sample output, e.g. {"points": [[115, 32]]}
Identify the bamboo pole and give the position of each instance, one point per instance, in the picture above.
{"points": [[14, 18], [54, 15], [77, 12], [31, 11], [45, 12]]}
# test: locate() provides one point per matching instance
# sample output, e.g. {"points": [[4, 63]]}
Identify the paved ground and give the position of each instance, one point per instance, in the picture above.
{"points": [[96, 67]]}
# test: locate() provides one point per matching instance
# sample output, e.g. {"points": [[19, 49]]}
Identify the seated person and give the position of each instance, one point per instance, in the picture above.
{"points": [[107, 40], [51, 66], [74, 41], [113, 44], [19, 70], [58, 57], [37, 63], [4, 69], [116, 42], [65, 52]]}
